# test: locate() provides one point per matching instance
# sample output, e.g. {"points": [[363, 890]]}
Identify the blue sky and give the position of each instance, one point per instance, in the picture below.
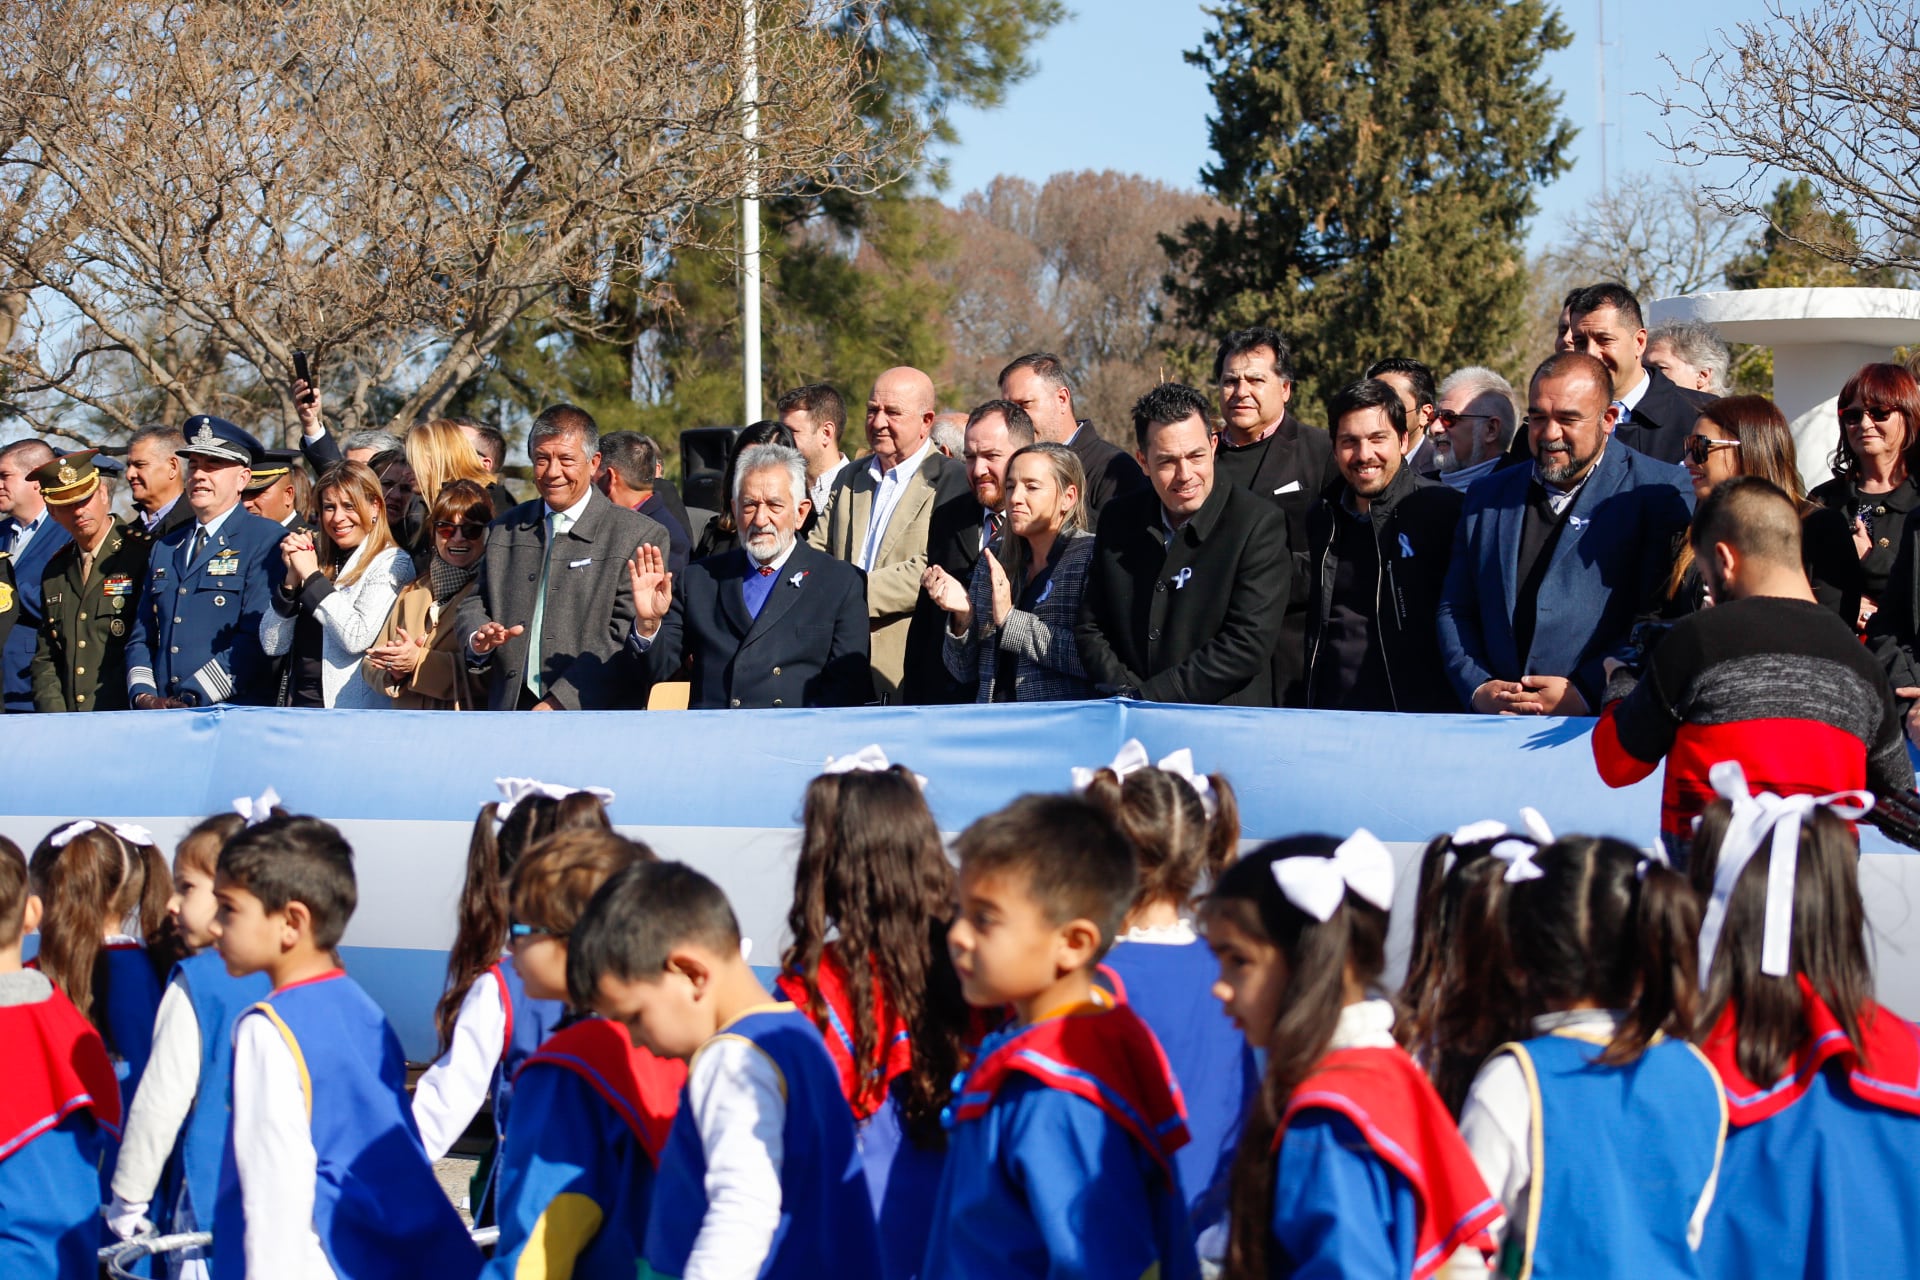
{"points": [[1111, 91]]}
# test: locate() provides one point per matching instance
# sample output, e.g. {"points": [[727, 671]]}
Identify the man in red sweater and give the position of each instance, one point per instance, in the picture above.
{"points": [[1766, 676]]}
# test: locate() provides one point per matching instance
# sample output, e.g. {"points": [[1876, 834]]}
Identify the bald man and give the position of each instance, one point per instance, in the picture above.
{"points": [[878, 523]]}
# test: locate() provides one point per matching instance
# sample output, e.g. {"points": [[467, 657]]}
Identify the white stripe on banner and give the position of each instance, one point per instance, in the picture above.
{"points": [[722, 791]]}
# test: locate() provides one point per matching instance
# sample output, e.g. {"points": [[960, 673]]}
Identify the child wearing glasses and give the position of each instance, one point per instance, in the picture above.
{"points": [[415, 662], [591, 1111]]}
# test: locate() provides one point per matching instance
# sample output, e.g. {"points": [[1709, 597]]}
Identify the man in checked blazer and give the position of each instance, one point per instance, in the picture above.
{"points": [[771, 623], [1187, 592], [882, 507], [554, 606]]}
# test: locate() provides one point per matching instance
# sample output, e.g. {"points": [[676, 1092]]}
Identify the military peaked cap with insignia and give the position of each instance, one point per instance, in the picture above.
{"points": [[270, 468], [68, 480], [209, 437]]}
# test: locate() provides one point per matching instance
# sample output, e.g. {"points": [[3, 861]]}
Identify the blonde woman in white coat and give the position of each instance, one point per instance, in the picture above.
{"points": [[339, 588]]}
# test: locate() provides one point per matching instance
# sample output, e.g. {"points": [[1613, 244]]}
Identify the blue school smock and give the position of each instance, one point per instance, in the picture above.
{"points": [[575, 1173], [133, 1001], [1622, 1158], [1060, 1157], [530, 1024], [1822, 1171], [378, 1209], [826, 1218], [59, 1121], [218, 999], [1169, 985], [1372, 1178]]}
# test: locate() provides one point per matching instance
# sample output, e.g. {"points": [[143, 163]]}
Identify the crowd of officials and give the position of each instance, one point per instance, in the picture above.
{"points": [[1447, 545], [1099, 1041]]}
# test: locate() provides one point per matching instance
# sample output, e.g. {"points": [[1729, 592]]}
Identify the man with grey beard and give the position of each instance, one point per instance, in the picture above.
{"points": [[771, 623], [1553, 562]]}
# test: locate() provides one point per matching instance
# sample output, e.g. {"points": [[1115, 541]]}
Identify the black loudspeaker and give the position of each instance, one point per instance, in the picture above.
{"points": [[703, 465]]}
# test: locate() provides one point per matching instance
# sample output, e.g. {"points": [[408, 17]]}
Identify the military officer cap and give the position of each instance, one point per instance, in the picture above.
{"points": [[270, 468], [209, 437], [68, 480]]}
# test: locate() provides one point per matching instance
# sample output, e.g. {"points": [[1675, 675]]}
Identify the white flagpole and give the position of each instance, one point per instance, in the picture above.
{"points": [[750, 218]]}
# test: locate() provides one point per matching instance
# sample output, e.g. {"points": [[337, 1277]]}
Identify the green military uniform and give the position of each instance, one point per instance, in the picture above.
{"points": [[80, 663]]}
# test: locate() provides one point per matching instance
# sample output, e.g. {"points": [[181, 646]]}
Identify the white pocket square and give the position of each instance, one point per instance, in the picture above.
{"points": [[1291, 486], [580, 564]]}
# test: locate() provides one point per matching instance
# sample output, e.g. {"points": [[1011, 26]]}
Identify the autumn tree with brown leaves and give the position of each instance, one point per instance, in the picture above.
{"points": [[195, 190]]}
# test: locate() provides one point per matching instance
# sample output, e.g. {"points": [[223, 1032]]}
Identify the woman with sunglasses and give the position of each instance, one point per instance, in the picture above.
{"points": [[1749, 436], [1872, 486], [416, 662]]}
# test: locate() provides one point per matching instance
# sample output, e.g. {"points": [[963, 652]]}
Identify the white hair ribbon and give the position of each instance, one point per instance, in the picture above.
{"points": [[1518, 855], [1480, 832], [1755, 818], [514, 790], [127, 831], [256, 809], [65, 835], [1317, 885], [1132, 758], [1535, 824], [868, 759]]}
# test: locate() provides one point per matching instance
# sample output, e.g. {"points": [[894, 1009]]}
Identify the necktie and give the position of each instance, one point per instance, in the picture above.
{"points": [[557, 524], [199, 545], [1626, 414], [766, 571], [86, 565]]}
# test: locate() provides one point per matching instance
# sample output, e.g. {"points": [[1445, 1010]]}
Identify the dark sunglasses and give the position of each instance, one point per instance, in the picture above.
{"points": [[1854, 417], [1700, 448], [470, 529], [1447, 417]]}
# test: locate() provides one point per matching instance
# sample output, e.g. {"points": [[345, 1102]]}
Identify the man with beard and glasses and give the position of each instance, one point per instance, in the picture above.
{"points": [[1553, 562], [771, 623]]}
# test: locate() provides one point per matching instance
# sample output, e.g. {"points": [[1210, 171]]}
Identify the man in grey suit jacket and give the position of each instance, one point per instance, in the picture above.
{"points": [[554, 604], [882, 507]]}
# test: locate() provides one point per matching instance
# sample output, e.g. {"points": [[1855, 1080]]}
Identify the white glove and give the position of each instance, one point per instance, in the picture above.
{"points": [[127, 1221]]}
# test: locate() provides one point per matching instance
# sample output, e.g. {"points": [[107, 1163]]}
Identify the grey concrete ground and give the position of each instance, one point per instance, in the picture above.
{"points": [[455, 1173]]}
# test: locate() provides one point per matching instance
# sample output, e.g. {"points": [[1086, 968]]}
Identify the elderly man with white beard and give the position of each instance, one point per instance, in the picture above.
{"points": [[771, 623]]}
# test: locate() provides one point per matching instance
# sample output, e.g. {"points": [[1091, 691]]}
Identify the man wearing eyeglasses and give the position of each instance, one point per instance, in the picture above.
{"points": [[1473, 424], [1552, 563]]}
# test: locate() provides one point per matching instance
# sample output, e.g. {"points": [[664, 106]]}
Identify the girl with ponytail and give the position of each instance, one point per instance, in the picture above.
{"points": [[105, 889], [1601, 1132], [1185, 829], [869, 965], [1348, 1164], [488, 1024], [1822, 1083]]}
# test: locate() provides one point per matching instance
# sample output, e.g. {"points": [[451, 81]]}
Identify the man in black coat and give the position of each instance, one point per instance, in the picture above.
{"points": [[1656, 417], [1188, 587], [771, 623], [1271, 454], [1379, 546], [1038, 383]]}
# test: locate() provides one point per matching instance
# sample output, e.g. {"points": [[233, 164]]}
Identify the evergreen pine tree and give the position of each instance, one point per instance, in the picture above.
{"points": [[1381, 156]]}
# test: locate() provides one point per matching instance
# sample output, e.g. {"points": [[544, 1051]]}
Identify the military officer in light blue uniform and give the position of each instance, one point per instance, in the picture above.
{"points": [[196, 639]]}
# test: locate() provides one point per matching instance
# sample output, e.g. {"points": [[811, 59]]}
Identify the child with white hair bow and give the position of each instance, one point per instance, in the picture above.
{"points": [[1349, 1164], [1822, 1083]]}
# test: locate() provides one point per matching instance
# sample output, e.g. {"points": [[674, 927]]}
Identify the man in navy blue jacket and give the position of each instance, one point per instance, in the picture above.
{"points": [[1552, 562], [771, 623], [30, 536]]}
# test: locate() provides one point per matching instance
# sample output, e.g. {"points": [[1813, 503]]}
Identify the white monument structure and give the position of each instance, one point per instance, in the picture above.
{"points": [[1820, 337]]}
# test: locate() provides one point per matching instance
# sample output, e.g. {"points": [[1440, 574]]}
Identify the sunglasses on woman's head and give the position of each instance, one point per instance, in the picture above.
{"points": [[469, 529], [1700, 448], [1854, 417]]}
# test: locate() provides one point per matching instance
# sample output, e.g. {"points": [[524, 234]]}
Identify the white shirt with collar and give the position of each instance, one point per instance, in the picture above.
{"points": [[1631, 401], [892, 485], [23, 532], [573, 512], [212, 526], [820, 488]]}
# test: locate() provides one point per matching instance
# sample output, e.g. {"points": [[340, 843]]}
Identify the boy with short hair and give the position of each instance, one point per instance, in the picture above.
{"points": [[761, 1176], [1063, 1132], [59, 1110], [325, 1177]]}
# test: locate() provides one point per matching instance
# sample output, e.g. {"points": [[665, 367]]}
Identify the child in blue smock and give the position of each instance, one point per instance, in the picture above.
{"points": [[869, 966], [105, 889], [760, 1175], [1185, 829], [177, 1123], [1600, 1129], [324, 1174], [59, 1109], [1065, 1128], [487, 1022], [574, 1176], [1349, 1165], [1822, 1083]]}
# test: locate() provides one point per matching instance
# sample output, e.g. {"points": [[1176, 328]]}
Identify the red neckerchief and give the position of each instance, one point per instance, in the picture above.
{"points": [[865, 1090], [1883, 1069], [642, 1089], [56, 1065]]}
